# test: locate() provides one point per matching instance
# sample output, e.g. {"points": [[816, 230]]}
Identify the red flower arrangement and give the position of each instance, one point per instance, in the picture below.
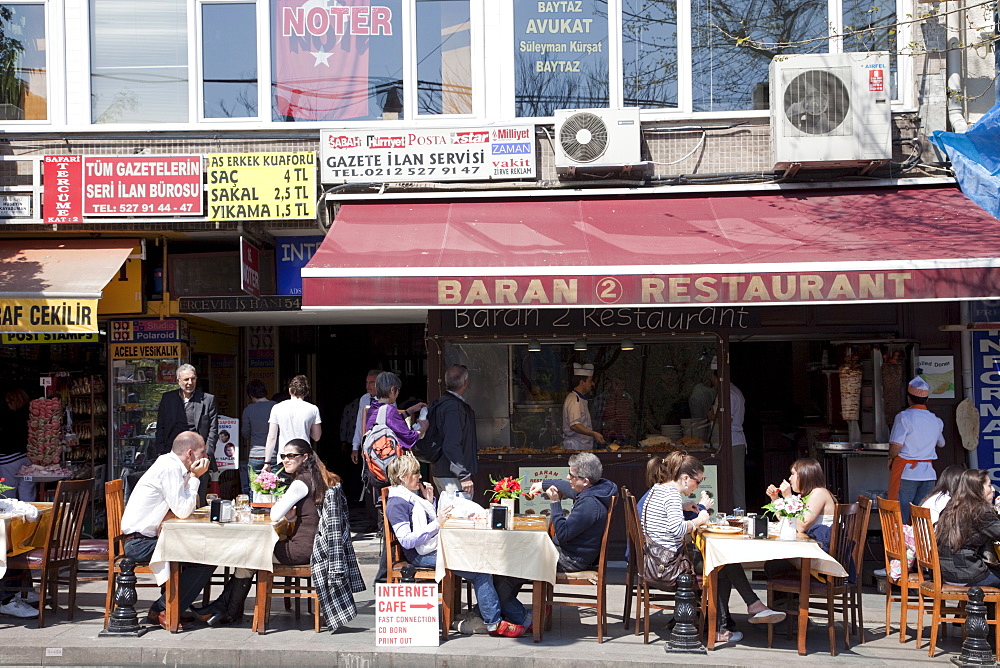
{"points": [[3, 487], [505, 488]]}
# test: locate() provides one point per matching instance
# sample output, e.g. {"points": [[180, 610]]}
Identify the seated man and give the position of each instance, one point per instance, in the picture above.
{"points": [[170, 485]]}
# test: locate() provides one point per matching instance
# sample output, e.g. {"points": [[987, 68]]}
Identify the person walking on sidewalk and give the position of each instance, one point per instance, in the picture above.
{"points": [[291, 419], [453, 424], [254, 428]]}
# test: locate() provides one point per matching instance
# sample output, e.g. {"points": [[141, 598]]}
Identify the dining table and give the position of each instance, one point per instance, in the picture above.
{"points": [[728, 548], [196, 539], [525, 551], [20, 534]]}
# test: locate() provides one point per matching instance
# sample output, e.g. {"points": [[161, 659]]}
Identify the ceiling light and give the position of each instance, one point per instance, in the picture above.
{"points": [[627, 344], [534, 346], [581, 344]]}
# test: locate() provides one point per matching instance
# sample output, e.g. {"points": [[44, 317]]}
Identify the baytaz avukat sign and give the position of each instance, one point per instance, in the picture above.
{"points": [[653, 290], [428, 155]]}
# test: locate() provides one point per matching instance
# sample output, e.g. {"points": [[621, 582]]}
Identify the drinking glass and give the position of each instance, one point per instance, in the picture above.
{"points": [[242, 501], [211, 497]]}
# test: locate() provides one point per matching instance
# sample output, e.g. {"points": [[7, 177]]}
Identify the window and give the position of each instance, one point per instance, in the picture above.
{"points": [[229, 60], [444, 57], [560, 56], [23, 70], [336, 63], [649, 53], [138, 61]]}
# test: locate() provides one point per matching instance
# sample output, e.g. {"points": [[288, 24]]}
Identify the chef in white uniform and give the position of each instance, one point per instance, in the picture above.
{"points": [[578, 431]]}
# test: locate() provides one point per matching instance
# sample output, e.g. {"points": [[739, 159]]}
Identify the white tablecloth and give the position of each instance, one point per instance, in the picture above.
{"points": [[203, 542], [529, 555], [721, 550]]}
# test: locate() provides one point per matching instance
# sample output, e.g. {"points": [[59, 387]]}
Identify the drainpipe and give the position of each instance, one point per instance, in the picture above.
{"points": [[967, 353], [956, 112]]}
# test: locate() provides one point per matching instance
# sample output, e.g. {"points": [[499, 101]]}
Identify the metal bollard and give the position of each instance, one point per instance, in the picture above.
{"points": [[124, 621], [976, 650], [684, 639]]}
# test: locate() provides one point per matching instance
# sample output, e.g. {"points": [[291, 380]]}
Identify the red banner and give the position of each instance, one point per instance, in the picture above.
{"points": [[143, 185], [63, 178], [321, 57], [249, 268]]}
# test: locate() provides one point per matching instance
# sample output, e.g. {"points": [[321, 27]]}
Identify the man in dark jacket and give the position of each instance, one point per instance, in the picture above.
{"points": [[453, 425], [188, 408]]}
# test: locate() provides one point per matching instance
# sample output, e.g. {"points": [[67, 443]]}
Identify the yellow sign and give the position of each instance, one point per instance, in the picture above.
{"points": [[123, 293], [261, 186], [144, 351], [14, 339], [48, 315]]}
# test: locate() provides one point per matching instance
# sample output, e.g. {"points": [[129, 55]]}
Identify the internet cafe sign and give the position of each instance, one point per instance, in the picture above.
{"points": [[428, 155]]}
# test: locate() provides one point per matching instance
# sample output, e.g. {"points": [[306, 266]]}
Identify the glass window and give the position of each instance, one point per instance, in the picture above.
{"points": [[872, 27], [23, 73], [734, 41], [561, 55], [444, 57], [229, 60], [336, 63], [649, 53], [138, 61]]}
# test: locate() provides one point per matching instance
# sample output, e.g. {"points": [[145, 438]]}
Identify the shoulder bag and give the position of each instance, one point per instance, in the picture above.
{"points": [[663, 565]]}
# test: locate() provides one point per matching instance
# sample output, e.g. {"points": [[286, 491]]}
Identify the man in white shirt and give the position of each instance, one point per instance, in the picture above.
{"points": [[578, 428], [913, 443], [737, 412], [291, 419], [170, 485], [367, 399]]}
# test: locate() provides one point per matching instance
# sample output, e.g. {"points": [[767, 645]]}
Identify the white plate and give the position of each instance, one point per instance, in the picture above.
{"points": [[723, 529]]}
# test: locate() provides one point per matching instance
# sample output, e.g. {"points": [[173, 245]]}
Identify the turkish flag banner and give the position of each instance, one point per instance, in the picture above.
{"points": [[321, 52]]}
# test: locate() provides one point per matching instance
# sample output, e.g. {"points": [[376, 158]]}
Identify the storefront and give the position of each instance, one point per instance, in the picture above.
{"points": [[789, 292]]}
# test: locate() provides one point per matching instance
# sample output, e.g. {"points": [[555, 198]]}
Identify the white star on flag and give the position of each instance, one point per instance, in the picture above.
{"points": [[321, 57]]}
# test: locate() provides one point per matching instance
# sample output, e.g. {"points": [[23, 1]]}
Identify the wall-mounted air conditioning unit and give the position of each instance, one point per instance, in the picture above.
{"points": [[830, 110], [598, 140]]}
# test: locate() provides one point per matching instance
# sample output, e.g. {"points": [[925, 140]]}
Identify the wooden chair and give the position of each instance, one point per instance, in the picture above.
{"points": [[859, 538], [835, 591], [895, 548], [631, 568], [292, 587], [932, 586], [587, 579], [114, 502], [62, 545], [645, 597]]}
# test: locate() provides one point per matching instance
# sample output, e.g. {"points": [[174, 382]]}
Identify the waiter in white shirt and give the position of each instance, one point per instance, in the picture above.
{"points": [[367, 400], [170, 485], [578, 429], [737, 412], [916, 434]]}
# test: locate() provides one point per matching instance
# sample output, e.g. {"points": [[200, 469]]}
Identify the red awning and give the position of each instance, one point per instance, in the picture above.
{"points": [[792, 248]]}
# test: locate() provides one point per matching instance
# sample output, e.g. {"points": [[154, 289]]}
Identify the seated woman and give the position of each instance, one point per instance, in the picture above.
{"points": [[301, 503], [967, 529], [663, 523], [806, 479], [939, 497], [411, 512], [578, 536]]}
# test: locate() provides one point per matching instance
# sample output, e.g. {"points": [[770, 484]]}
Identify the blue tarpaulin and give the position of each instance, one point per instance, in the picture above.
{"points": [[975, 157]]}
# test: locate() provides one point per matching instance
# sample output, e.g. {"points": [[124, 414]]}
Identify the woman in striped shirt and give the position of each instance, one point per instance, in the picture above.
{"points": [[663, 523]]}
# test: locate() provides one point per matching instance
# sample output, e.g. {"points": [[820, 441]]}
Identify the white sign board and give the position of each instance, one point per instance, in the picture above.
{"points": [[427, 155], [540, 505], [227, 448], [939, 372], [15, 206], [406, 615]]}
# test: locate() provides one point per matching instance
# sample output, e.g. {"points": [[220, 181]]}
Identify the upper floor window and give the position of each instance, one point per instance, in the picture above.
{"points": [[229, 60], [23, 68]]}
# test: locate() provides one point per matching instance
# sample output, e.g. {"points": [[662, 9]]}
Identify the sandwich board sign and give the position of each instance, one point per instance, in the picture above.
{"points": [[406, 615]]}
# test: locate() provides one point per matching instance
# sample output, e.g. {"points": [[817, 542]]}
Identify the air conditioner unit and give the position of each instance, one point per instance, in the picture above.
{"points": [[597, 140], [830, 110]]}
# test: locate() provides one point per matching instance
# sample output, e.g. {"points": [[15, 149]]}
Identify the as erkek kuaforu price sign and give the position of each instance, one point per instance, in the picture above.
{"points": [[261, 186]]}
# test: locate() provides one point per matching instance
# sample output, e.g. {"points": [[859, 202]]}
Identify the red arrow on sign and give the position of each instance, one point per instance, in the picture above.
{"points": [[425, 606]]}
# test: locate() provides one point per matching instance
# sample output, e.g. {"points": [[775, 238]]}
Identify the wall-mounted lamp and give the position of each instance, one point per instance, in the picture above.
{"points": [[627, 344], [534, 346], [581, 344]]}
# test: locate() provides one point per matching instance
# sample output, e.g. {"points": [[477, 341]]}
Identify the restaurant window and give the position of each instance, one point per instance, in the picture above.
{"points": [[662, 390], [229, 60], [560, 56], [649, 53], [23, 67], [139, 61], [336, 63], [444, 57]]}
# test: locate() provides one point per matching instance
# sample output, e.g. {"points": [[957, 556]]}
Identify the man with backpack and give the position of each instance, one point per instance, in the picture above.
{"points": [[453, 430]]}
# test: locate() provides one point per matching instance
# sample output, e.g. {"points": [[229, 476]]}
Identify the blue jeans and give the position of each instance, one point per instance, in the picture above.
{"points": [[490, 606], [913, 491]]}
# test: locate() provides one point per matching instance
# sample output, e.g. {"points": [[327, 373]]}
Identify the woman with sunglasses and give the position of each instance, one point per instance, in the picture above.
{"points": [[663, 523], [302, 502]]}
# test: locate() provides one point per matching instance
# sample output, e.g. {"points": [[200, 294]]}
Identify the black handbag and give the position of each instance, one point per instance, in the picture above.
{"points": [[663, 565]]}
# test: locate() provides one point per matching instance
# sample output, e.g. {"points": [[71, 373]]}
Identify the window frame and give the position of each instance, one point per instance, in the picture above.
{"points": [[199, 61], [52, 20]]}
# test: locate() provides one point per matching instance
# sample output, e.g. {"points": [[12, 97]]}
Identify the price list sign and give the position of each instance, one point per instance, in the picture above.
{"points": [[261, 186]]}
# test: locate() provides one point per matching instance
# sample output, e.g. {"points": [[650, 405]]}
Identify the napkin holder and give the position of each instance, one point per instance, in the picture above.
{"points": [[222, 510], [499, 517], [758, 527]]}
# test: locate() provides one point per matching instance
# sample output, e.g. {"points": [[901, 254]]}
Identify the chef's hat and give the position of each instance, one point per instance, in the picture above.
{"points": [[583, 369], [918, 387]]}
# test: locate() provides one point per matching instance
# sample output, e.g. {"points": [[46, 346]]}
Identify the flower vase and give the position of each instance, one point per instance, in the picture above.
{"points": [[787, 529], [262, 500]]}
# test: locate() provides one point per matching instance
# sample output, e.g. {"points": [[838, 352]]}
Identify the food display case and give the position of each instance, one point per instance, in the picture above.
{"points": [[144, 360]]}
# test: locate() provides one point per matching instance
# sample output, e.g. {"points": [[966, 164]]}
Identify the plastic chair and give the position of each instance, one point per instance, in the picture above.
{"points": [[587, 579], [62, 546], [895, 548]]}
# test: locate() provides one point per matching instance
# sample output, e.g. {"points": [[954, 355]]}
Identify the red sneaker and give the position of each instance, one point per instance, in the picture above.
{"points": [[508, 630]]}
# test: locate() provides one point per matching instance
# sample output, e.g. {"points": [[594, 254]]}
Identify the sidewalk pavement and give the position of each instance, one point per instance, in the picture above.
{"points": [[571, 642]]}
